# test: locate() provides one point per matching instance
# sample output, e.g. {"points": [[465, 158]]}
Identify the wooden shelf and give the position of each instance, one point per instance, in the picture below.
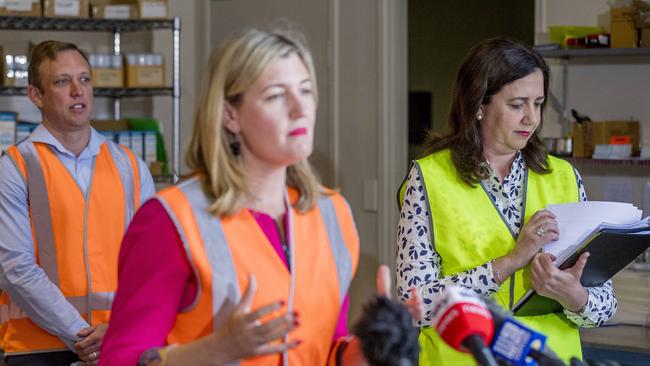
{"points": [[595, 52], [101, 92], [609, 162], [83, 24]]}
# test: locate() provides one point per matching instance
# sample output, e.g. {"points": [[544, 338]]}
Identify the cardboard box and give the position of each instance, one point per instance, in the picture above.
{"points": [[110, 125], [150, 76], [114, 9], [587, 135], [623, 33], [107, 78], [66, 8], [26, 8], [153, 9]]}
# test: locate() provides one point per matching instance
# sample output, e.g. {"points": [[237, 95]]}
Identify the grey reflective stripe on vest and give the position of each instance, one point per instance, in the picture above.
{"points": [[15, 163], [42, 221], [225, 288], [100, 301], [125, 168], [40, 212], [340, 251]]}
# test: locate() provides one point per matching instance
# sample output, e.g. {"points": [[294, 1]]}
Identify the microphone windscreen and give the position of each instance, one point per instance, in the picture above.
{"points": [[387, 334]]}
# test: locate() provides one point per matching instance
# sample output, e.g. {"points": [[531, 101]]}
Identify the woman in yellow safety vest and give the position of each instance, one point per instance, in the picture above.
{"points": [[472, 211]]}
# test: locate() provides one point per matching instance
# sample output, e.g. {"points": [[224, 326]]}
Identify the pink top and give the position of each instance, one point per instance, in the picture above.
{"points": [[150, 294]]}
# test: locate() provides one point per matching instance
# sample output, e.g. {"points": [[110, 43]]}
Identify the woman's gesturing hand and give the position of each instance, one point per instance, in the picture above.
{"points": [[414, 304], [539, 230], [252, 333]]}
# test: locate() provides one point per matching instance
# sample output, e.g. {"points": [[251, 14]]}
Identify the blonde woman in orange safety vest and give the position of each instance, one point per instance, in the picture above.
{"points": [[66, 197], [251, 259]]}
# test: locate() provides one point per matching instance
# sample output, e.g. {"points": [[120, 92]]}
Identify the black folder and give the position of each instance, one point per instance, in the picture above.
{"points": [[610, 251]]}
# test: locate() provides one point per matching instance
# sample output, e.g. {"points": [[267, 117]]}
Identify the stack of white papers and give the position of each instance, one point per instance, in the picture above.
{"points": [[578, 221]]}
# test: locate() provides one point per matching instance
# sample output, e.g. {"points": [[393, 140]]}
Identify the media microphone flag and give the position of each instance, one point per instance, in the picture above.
{"points": [[463, 321], [514, 341], [518, 344]]}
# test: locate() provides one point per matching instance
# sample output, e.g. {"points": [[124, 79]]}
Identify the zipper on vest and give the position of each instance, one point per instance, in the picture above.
{"points": [[283, 242]]}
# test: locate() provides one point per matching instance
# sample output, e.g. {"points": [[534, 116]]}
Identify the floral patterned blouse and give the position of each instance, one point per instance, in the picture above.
{"points": [[419, 264]]}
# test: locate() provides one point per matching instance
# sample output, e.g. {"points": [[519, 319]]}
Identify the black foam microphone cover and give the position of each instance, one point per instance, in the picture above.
{"points": [[387, 334]]}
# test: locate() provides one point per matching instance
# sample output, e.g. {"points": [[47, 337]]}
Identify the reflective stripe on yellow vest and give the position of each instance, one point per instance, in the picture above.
{"points": [[469, 231], [223, 251], [77, 235]]}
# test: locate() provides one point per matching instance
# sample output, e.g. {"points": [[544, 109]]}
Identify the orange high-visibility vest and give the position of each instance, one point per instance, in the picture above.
{"points": [[223, 251], [76, 237]]}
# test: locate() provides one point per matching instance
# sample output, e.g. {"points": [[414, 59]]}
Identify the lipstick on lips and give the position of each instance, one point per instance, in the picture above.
{"points": [[524, 133], [298, 131]]}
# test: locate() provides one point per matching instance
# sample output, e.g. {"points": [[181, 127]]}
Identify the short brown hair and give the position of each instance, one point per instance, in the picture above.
{"points": [[486, 69], [47, 50]]}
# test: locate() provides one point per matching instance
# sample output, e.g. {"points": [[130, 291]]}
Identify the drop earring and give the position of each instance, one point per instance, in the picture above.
{"points": [[235, 145]]}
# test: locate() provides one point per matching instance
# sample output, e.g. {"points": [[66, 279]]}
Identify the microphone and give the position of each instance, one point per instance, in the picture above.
{"points": [[387, 334], [517, 343], [463, 322]]}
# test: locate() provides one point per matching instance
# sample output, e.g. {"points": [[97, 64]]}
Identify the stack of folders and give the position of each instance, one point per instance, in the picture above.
{"points": [[632, 292], [612, 232]]}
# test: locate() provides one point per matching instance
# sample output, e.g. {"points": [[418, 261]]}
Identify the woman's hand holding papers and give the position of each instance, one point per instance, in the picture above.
{"points": [[539, 230], [562, 285]]}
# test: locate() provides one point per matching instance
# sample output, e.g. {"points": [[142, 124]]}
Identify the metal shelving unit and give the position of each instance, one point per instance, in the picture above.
{"points": [[101, 92], [117, 27], [566, 55], [595, 52], [635, 161]]}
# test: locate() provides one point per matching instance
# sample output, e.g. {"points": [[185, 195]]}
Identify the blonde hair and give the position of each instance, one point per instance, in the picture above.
{"points": [[232, 69]]}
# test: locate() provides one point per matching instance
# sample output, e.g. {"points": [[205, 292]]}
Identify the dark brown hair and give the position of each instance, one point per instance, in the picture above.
{"points": [[486, 69], [47, 50]]}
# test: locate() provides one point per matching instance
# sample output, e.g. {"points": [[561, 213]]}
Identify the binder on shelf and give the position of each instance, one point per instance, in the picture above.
{"points": [[7, 129], [610, 249]]}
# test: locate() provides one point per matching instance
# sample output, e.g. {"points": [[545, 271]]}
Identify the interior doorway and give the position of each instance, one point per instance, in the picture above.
{"points": [[439, 35]]}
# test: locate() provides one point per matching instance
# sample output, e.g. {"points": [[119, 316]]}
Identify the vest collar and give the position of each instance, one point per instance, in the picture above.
{"points": [[43, 135]]}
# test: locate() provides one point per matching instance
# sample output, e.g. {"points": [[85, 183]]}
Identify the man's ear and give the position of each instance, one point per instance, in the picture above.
{"points": [[229, 119], [35, 96]]}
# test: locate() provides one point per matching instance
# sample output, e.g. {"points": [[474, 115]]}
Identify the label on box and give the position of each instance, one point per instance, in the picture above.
{"points": [[66, 7], [150, 147], [19, 5], [107, 78], [7, 134], [150, 76], [116, 12], [109, 135], [21, 134], [137, 143], [156, 9], [124, 138]]}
